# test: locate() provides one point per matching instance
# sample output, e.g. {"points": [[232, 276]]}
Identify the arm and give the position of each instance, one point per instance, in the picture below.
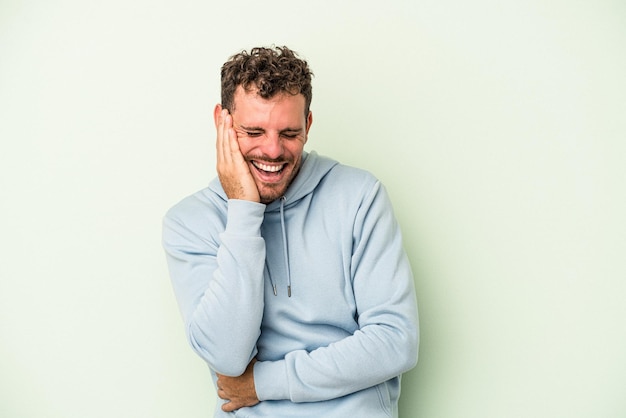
{"points": [[217, 275], [384, 346], [218, 280]]}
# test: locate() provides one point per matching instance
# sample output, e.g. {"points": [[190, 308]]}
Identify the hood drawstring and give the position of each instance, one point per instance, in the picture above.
{"points": [[267, 274], [285, 250]]}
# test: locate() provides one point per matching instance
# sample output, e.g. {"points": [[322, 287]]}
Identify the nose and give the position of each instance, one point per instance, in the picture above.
{"points": [[272, 146]]}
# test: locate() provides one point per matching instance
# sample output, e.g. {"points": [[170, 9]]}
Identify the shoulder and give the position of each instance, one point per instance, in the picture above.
{"points": [[351, 180], [198, 209], [346, 190], [350, 173]]}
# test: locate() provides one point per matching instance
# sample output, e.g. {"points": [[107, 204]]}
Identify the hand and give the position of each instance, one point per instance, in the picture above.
{"points": [[238, 391], [232, 168]]}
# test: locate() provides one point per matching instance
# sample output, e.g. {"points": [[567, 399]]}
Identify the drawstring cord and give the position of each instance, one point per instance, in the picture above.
{"points": [[267, 274], [285, 251]]}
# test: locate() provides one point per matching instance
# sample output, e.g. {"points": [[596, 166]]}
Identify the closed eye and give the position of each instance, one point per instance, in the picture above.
{"points": [[291, 133]]}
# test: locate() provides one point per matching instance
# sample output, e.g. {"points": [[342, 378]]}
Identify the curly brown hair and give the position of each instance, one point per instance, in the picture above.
{"points": [[271, 71]]}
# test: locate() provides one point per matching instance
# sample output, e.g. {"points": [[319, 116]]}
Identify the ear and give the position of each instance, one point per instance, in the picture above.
{"points": [[309, 122], [216, 113]]}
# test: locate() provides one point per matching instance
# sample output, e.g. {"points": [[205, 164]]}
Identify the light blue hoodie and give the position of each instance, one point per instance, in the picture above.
{"points": [[338, 344]]}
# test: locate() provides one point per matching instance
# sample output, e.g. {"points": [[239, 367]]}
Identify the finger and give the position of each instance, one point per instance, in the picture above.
{"points": [[233, 143], [229, 407], [219, 142], [230, 137], [221, 394], [222, 137]]}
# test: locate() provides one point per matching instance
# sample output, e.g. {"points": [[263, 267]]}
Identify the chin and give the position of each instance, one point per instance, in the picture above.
{"points": [[269, 194], [267, 198]]}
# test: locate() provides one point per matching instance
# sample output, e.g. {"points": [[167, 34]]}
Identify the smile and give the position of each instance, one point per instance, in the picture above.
{"points": [[267, 167]]}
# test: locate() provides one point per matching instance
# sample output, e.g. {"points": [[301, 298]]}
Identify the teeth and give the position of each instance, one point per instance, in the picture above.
{"points": [[269, 168]]}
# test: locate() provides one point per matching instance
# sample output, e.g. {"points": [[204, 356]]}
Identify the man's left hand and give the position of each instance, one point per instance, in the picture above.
{"points": [[237, 391]]}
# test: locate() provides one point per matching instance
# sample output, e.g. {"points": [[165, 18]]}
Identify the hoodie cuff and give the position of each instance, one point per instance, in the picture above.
{"points": [[270, 380], [244, 217]]}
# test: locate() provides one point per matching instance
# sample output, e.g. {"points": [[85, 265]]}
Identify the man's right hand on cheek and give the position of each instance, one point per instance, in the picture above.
{"points": [[232, 168]]}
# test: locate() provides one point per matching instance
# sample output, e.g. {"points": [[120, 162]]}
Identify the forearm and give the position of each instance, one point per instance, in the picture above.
{"points": [[371, 356], [226, 324], [384, 346], [220, 290]]}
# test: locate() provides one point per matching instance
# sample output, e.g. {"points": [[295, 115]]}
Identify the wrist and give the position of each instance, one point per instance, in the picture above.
{"points": [[270, 380], [244, 217]]}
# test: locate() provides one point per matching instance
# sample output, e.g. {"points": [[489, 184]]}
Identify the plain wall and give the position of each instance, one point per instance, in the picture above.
{"points": [[498, 128]]}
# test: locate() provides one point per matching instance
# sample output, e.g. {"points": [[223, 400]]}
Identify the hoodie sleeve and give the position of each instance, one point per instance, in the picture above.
{"points": [[386, 343], [217, 278]]}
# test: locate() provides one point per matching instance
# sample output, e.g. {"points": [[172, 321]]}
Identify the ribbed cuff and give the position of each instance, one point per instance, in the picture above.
{"points": [[244, 217], [270, 380]]}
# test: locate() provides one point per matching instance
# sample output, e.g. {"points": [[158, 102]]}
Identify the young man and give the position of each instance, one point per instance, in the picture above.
{"points": [[289, 268]]}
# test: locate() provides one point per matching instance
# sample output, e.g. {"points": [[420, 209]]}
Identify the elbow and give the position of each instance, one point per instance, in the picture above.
{"points": [[230, 368], [412, 336], [222, 360], [408, 355], [411, 359]]}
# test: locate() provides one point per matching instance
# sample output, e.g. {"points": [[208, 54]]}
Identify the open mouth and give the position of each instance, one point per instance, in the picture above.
{"points": [[266, 168]]}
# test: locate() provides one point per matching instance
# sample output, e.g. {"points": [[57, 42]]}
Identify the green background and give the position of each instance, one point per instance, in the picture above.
{"points": [[498, 128]]}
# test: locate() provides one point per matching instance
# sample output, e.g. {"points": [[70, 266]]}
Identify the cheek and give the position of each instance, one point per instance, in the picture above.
{"points": [[245, 145], [295, 147]]}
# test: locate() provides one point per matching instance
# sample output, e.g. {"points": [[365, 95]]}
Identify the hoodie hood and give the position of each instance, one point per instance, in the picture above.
{"points": [[314, 168]]}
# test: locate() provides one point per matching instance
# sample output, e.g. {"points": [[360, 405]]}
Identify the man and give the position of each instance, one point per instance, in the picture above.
{"points": [[289, 268]]}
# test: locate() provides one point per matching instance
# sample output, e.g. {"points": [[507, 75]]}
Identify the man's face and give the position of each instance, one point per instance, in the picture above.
{"points": [[271, 135]]}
